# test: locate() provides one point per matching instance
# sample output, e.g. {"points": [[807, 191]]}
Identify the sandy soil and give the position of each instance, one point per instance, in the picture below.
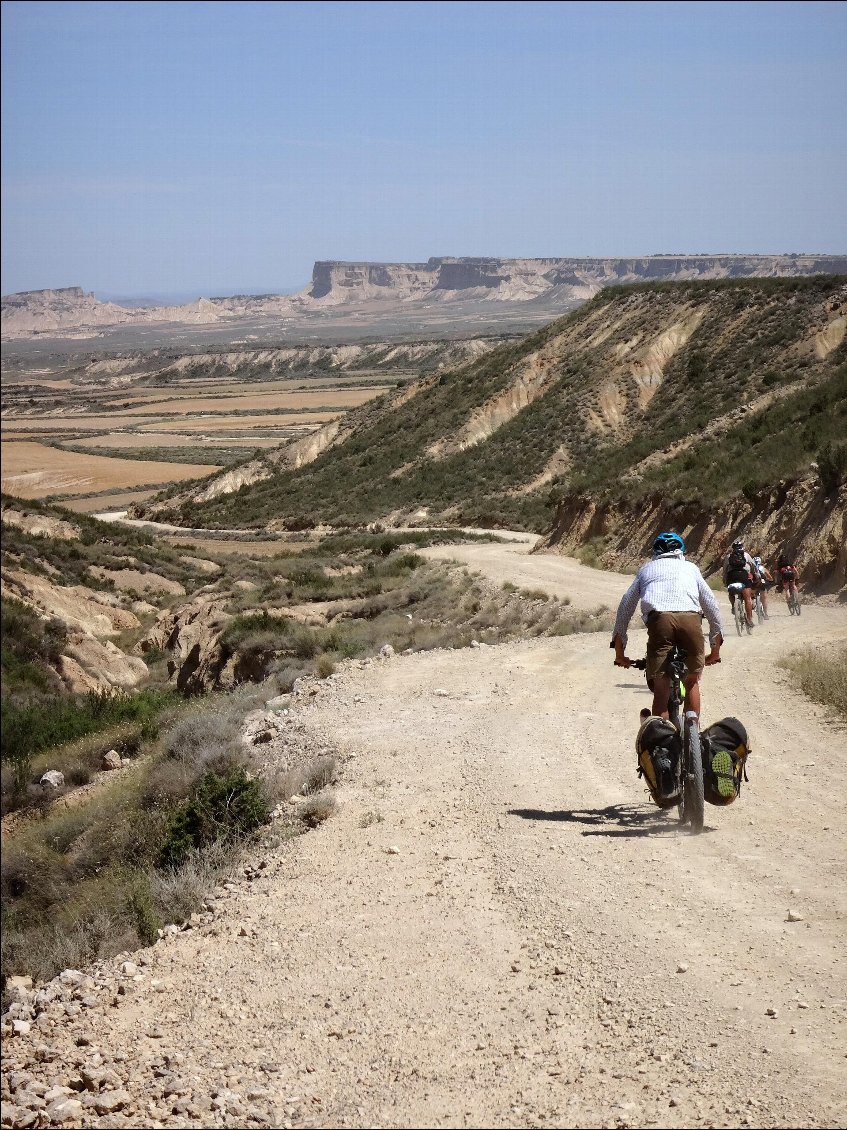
{"points": [[498, 928]]}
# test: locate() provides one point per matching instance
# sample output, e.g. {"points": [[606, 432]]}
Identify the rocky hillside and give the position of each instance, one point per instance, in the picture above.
{"points": [[400, 290], [714, 398], [171, 366]]}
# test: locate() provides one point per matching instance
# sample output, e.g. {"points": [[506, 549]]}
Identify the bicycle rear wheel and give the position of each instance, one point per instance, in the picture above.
{"points": [[760, 612], [738, 613], [693, 787]]}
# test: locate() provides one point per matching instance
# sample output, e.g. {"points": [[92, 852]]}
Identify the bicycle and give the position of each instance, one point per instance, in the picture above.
{"points": [[736, 594], [687, 761], [759, 607], [793, 601]]}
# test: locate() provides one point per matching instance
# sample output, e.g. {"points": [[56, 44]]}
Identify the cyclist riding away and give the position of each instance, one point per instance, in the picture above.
{"points": [[739, 569], [674, 597], [763, 582], [787, 576]]}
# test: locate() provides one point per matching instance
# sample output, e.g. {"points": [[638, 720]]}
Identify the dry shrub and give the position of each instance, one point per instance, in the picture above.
{"points": [[305, 779], [43, 951], [317, 808], [178, 892], [286, 676]]}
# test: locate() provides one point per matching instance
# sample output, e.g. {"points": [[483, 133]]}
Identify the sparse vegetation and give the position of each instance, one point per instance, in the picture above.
{"points": [[821, 675]]}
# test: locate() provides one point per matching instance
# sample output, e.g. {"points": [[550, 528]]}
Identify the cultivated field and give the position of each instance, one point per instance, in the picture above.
{"points": [[88, 435], [34, 470]]}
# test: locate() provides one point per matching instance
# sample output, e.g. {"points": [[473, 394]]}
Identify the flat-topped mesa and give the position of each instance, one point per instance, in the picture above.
{"points": [[25, 297], [515, 280]]}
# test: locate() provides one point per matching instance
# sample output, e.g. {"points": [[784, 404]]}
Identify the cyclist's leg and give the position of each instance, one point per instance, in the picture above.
{"points": [[661, 694], [748, 603], [692, 693], [659, 644], [689, 636]]}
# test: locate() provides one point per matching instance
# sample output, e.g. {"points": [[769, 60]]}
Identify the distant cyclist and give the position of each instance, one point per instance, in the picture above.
{"points": [[787, 576], [673, 597], [763, 582], [739, 569]]}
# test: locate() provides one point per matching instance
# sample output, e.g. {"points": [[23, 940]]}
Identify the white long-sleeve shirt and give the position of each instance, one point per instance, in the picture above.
{"points": [[668, 583]]}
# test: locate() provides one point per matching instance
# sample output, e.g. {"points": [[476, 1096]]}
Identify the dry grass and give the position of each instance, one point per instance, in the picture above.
{"points": [[821, 675]]}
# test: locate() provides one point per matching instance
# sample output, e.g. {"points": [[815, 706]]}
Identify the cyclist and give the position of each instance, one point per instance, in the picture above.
{"points": [[763, 582], [787, 576], [674, 598], [739, 569]]}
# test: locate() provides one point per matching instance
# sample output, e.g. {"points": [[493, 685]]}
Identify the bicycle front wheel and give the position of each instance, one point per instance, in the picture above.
{"points": [[693, 786]]}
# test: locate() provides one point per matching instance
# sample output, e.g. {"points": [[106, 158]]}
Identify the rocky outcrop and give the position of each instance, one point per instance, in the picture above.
{"points": [[92, 613], [90, 660], [41, 525], [803, 517], [191, 635]]}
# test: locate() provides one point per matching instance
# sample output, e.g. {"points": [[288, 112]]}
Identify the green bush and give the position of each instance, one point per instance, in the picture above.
{"points": [[220, 808]]}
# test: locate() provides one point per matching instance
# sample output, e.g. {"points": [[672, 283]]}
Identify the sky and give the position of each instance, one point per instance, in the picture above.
{"points": [[220, 148]]}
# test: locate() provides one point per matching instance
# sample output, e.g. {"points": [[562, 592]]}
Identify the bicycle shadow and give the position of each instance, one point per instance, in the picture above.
{"points": [[627, 821]]}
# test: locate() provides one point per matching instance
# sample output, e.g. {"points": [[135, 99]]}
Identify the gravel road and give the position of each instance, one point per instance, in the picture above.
{"points": [[497, 928]]}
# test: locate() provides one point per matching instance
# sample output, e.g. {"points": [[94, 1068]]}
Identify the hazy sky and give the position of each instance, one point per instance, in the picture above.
{"points": [[221, 147]]}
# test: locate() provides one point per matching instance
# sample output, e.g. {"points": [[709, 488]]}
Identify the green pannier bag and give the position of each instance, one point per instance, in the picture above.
{"points": [[726, 748]]}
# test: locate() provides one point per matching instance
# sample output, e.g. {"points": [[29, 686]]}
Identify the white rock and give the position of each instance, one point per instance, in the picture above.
{"points": [[130, 968], [112, 760], [441, 692], [21, 1027], [386, 651], [68, 1111], [392, 851], [793, 916], [53, 779]]}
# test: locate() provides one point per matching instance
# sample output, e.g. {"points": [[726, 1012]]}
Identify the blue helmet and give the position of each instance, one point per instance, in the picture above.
{"points": [[668, 542]]}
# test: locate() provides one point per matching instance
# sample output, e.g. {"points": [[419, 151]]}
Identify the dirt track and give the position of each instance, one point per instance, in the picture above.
{"points": [[498, 929]]}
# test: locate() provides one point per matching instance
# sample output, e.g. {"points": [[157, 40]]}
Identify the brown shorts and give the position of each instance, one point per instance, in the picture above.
{"points": [[664, 629]]}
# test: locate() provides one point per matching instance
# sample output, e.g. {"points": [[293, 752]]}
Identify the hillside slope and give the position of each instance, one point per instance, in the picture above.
{"points": [[692, 393]]}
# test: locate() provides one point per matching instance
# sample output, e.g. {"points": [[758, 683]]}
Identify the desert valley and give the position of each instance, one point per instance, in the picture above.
{"points": [[320, 803]]}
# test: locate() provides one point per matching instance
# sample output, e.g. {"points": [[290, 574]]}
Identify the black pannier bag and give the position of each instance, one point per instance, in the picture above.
{"points": [[726, 748], [656, 747]]}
